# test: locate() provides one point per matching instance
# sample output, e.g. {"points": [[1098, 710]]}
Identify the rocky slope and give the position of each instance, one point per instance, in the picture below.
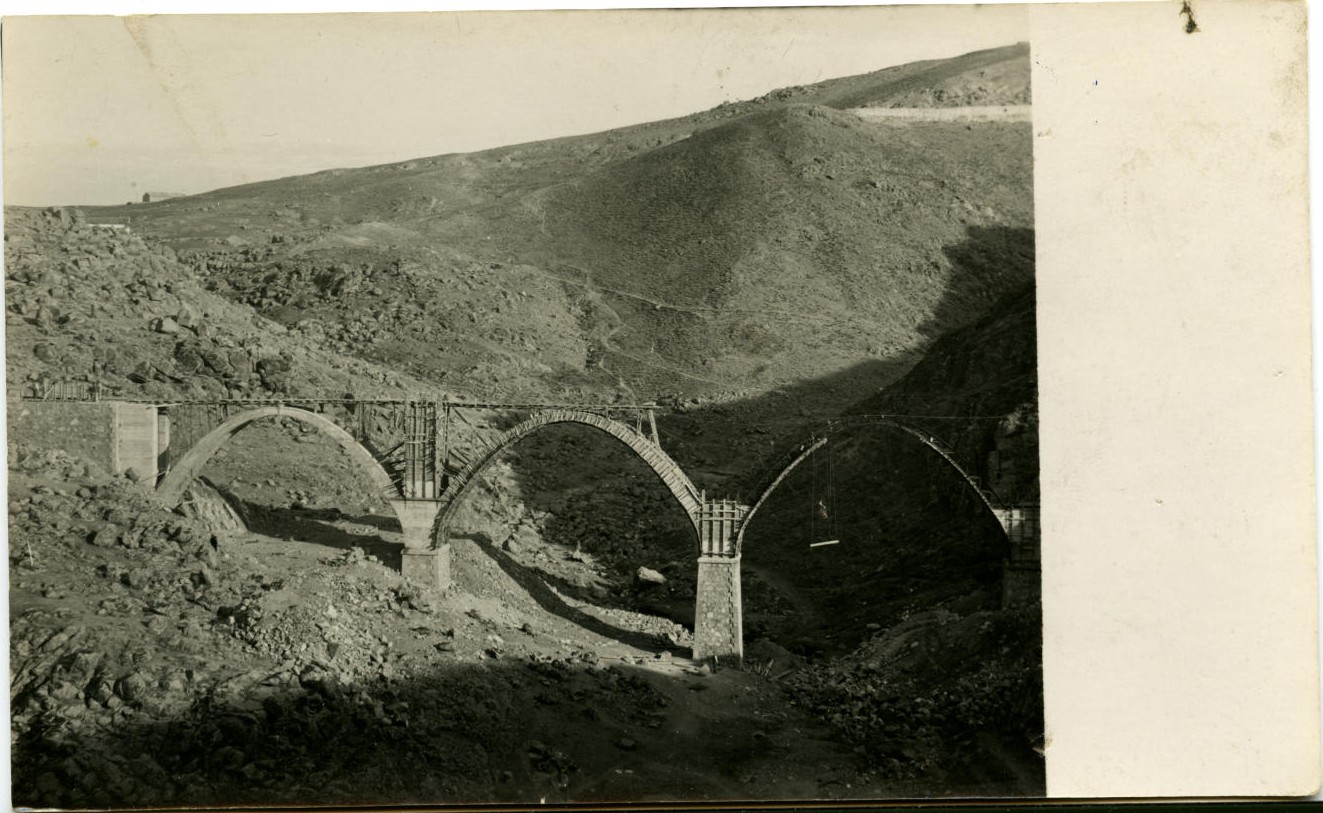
{"points": [[727, 253], [106, 306]]}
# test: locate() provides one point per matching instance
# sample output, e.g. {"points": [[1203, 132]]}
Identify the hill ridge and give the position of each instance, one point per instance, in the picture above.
{"points": [[661, 258]]}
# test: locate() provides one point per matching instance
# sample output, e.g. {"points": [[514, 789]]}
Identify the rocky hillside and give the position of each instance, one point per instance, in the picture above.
{"points": [[728, 253], [101, 305], [157, 664]]}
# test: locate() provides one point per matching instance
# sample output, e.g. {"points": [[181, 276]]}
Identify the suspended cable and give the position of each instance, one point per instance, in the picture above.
{"points": [[831, 492], [813, 496]]}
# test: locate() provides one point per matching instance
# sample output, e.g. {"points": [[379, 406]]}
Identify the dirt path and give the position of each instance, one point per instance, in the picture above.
{"points": [[1010, 112]]}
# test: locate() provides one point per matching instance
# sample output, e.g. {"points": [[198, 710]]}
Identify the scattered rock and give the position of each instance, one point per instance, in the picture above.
{"points": [[133, 688], [99, 691], [648, 576], [174, 682], [166, 325], [186, 317], [107, 536], [205, 576], [136, 578]]}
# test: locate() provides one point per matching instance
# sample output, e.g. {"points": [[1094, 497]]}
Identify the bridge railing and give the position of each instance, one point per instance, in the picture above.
{"points": [[421, 456], [64, 390]]}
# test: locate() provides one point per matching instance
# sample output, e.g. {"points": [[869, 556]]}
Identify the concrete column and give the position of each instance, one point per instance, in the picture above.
{"points": [[719, 613], [422, 561], [416, 520]]}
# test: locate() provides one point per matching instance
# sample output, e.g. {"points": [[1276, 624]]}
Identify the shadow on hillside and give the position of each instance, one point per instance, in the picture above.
{"points": [[990, 262], [535, 583], [472, 732], [523, 732], [379, 521], [509, 731], [625, 518], [316, 525]]}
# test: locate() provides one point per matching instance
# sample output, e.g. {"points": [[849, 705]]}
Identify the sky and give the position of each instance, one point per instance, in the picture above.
{"points": [[100, 109]]}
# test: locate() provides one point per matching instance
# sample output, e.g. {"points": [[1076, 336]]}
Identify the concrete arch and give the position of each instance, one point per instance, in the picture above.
{"points": [[931, 443], [818, 442], [670, 473], [176, 481], [807, 450]]}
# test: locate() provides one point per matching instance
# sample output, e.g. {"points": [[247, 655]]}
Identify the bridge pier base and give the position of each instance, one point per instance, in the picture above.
{"points": [[422, 563], [718, 611], [428, 567]]}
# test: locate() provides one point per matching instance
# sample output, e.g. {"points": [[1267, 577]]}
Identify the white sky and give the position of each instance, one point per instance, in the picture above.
{"points": [[101, 109]]}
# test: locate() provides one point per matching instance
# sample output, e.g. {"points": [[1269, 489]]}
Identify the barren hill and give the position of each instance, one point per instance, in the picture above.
{"points": [[728, 252]]}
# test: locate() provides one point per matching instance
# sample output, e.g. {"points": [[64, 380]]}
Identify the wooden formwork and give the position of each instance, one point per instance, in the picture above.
{"points": [[719, 524]]}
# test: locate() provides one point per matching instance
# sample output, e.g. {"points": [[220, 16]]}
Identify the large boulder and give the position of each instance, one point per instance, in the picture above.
{"points": [[275, 373], [166, 325], [648, 577]]}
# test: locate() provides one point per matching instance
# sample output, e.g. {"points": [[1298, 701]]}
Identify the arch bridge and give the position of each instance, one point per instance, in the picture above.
{"points": [[424, 457]]}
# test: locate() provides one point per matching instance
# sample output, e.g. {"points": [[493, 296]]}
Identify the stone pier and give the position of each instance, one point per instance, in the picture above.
{"points": [[429, 567], [1022, 571], [718, 611], [718, 607]]}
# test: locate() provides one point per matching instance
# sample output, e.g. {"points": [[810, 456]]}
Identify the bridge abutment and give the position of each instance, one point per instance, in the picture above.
{"points": [[137, 440], [718, 613], [120, 437]]}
